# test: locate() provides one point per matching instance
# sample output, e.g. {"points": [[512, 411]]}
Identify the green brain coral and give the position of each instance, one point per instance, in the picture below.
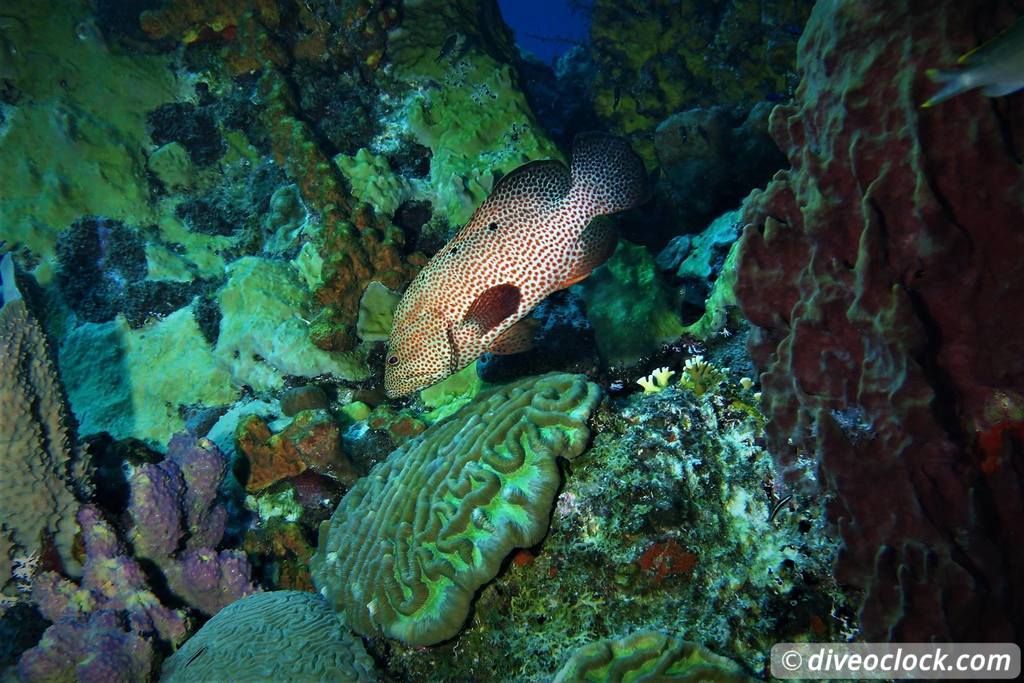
{"points": [[273, 636], [647, 656], [411, 543]]}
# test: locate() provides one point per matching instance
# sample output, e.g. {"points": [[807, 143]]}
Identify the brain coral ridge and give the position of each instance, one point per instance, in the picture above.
{"points": [[411, 543], [274, 636], [647, 656]]}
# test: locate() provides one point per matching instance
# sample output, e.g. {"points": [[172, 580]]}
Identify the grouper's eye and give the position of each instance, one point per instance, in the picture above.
{"points": [[392, 360]]}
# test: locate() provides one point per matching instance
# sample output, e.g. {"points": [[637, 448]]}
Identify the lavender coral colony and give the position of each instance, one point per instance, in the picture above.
{"points": [[474, 340]]}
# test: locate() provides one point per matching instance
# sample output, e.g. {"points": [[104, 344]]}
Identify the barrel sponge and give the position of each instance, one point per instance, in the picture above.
{"points": [[648, 656], [37, 456], [412, 541], [272, 636]]}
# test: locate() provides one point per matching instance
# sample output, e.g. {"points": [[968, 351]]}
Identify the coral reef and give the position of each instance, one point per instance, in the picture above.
{"points": [[658, 58], [192, 20], [885, 288], [108, 369], [103, 271], [669, 521], [277, 635], [448, 507], [312, 440], [355, 246], [104, 628], [91, 651], [280, 553], [376, 312], [373, 182], [263, 335], [217, 250], [177, 523], [703, 266], [308, 397], [464, 102], [72, 131], [632, 310], [563, 340], [42, 468], [648, 655], [710, 160]]}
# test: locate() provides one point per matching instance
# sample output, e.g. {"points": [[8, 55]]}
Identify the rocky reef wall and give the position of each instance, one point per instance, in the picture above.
{"points": [[884, 278]]}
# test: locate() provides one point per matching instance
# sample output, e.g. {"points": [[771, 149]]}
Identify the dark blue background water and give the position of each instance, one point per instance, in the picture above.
{"points": [[547, 28]]}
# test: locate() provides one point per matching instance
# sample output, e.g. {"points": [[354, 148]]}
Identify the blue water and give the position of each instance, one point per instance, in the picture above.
{"points": [[546, 28]]}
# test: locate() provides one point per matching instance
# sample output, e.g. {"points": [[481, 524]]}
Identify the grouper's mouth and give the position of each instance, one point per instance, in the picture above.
{"points": [[414, 380]]}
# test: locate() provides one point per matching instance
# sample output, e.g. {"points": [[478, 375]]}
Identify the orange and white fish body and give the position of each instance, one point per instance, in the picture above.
{"points": [[532, 236]]}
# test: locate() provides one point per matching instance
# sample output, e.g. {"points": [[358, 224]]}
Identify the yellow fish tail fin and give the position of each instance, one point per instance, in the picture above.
{"points": [[955, 80]]}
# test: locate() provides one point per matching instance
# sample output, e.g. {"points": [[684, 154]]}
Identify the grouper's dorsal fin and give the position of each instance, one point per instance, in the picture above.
{"points": [[493, 306], [524, 194], [539, 181]]}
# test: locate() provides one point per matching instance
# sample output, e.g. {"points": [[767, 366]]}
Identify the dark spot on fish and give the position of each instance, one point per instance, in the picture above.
{"points": [[492, 226], [392, 360], [196, 656], [453, 251]]}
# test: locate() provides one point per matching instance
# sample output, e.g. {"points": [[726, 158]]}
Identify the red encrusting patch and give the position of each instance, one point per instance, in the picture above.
{"points": [[666, 559], [991, 442], [523, 557]]}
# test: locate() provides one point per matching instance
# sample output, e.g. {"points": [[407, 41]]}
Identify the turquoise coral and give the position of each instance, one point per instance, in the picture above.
{"points": [[273, 636]]}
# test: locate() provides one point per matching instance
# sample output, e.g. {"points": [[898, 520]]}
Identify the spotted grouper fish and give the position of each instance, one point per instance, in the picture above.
{"points": [[534, 234]]}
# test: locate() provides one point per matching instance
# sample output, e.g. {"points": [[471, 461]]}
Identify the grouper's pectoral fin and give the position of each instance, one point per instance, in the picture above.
{"points": [[493, 306], [596, 243], [516, 339]]}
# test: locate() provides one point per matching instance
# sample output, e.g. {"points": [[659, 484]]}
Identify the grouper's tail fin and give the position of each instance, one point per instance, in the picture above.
{"points": [[956, 82], [607, 175]]}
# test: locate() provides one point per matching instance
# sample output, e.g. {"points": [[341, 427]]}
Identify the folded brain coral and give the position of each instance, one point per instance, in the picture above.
{"points": [[411, 542], [648, 656], [273, 636]]}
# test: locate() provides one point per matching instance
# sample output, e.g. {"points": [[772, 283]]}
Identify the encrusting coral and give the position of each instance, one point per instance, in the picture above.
{"points": [[412, 541], [648, 656], [40, 464], [272, 636]]}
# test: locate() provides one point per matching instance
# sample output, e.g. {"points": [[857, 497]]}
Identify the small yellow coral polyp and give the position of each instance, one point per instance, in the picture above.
{"points": [[657, 381], [700, 376]]}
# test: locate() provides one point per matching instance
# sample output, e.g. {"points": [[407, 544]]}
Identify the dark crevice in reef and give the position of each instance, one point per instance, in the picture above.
{"points": [[1006, 130], [944, 405]]}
